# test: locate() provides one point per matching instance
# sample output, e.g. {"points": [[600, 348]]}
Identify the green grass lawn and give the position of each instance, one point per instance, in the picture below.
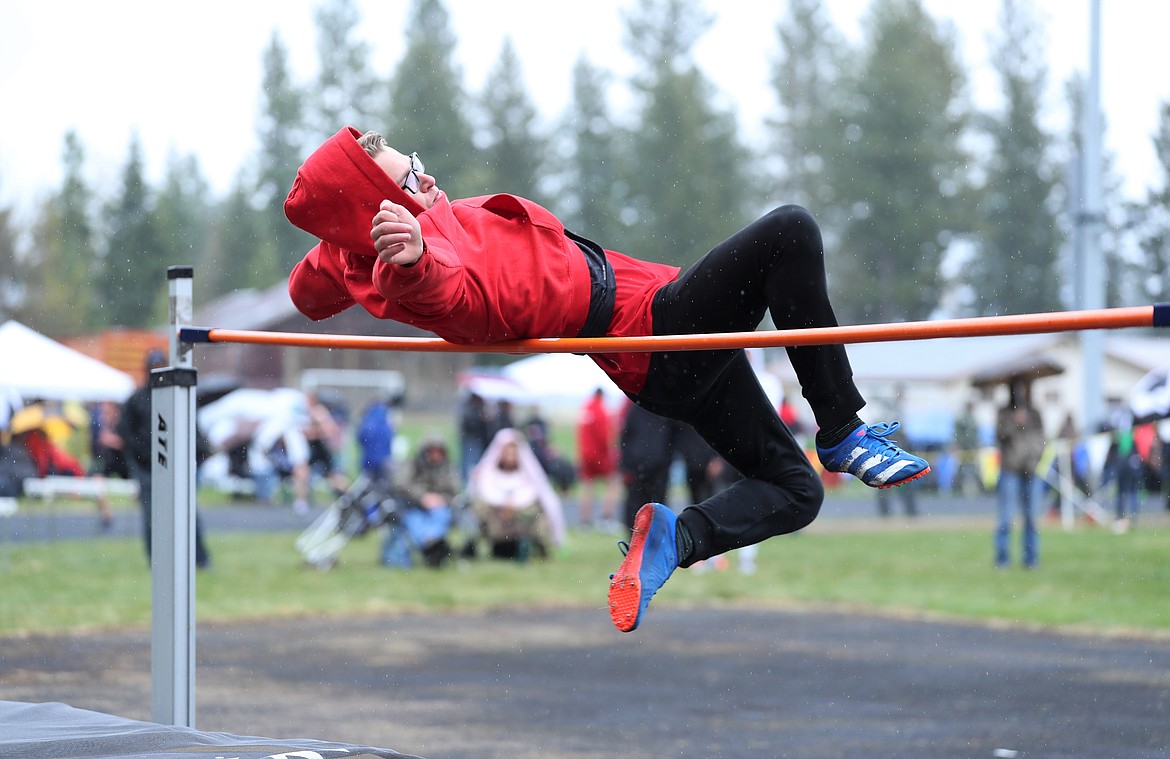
{"points": [[1090, 579]]}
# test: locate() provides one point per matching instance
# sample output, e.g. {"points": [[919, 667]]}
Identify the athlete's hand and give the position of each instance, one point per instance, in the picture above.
{"points": [[396, 235]]}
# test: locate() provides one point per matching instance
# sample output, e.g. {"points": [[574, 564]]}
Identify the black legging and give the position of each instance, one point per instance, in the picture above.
{"points": [[776, 263]]}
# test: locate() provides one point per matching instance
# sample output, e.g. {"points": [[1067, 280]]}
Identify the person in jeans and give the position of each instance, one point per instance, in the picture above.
{"points": [[1019, 432], [500, 267], [135, 428]]}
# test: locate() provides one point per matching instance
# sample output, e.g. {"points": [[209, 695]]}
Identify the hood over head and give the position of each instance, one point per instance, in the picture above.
{"points": [[429, 444], [337, 192]]}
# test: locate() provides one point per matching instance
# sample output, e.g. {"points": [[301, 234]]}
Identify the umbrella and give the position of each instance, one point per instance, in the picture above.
{"points": [[249, 408], [213, 387], [57, 420], [1150, 398], [1027, 368]]}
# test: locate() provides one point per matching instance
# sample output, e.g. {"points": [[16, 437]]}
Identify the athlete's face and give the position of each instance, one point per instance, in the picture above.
{"points": [[408, 172]]}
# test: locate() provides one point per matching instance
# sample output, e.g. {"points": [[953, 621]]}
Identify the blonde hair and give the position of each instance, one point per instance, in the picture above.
{"points": [[373, 143]]}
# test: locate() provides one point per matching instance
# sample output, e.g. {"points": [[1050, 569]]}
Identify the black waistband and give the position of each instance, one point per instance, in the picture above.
{"points": [[604, 289]]}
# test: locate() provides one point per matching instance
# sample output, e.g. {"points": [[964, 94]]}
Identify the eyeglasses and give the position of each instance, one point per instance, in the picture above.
{"points": [[412, 183]]}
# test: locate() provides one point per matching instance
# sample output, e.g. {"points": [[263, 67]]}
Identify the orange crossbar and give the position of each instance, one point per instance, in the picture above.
{"points": [[983, 326]]}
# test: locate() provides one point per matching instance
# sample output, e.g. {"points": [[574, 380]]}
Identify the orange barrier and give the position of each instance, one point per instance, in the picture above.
{"points": [[983, 326]]}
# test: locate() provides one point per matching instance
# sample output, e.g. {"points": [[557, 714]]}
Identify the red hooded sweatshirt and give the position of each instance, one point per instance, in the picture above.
{"points": [[496, 267]]}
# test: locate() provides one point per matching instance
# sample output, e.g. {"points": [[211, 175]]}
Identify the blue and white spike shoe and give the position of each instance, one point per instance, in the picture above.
{"points": [[869, 456]]}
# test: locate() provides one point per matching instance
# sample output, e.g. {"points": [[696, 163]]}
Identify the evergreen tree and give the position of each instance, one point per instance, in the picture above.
{"points": [[594, 191], [813, 56], [240, 254], [1153, 228], [182, 215], [61, 282], [513, 152], [687, 168], [426, 111], [345, 92], [133, 276], [1015, 269], [281, 130], [13, 274], [901, 172]]}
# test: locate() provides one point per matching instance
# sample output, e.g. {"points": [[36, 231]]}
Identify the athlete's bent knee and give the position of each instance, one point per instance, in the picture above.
{"points": [[810, 495], [795, 224]]}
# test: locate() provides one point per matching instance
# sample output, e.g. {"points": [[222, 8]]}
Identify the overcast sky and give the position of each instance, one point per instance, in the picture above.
{"points": [[187, 76]]}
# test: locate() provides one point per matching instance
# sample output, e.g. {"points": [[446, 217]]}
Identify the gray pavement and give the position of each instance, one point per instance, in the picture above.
{"points": [[731, 682], [737, 683], [41, 522]]}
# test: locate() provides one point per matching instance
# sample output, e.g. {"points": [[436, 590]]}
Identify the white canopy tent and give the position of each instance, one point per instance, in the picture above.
{"points": [[34, 366], [567, 379], [560, 380]]}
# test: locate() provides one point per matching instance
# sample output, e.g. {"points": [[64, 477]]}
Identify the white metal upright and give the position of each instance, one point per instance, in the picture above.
{"points": [[172, 649]]}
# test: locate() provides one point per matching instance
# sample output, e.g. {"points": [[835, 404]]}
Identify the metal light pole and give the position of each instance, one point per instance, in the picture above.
{"points": [[1090, 225]]}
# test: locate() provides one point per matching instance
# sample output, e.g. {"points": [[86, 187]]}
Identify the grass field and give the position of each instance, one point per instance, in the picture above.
{"points": [[1089, 580]]}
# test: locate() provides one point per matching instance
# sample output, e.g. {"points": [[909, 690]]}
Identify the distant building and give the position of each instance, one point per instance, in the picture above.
{"points": [[430, 378], [924, 383], [122, 348]]}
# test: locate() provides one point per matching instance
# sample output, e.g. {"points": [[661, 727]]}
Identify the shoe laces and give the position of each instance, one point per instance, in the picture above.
{"points": [[624, 547], [882, 431]]}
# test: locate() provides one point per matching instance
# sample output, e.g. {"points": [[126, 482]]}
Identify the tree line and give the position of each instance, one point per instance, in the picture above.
{"points": [[929, 205]]}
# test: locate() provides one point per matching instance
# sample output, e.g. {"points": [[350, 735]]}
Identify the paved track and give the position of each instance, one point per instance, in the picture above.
{"points": [[40, 522], [730, 682], [733, 683]]}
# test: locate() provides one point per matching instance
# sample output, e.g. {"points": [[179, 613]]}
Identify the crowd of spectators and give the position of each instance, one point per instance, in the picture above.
{"points": [[504, 486]]}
